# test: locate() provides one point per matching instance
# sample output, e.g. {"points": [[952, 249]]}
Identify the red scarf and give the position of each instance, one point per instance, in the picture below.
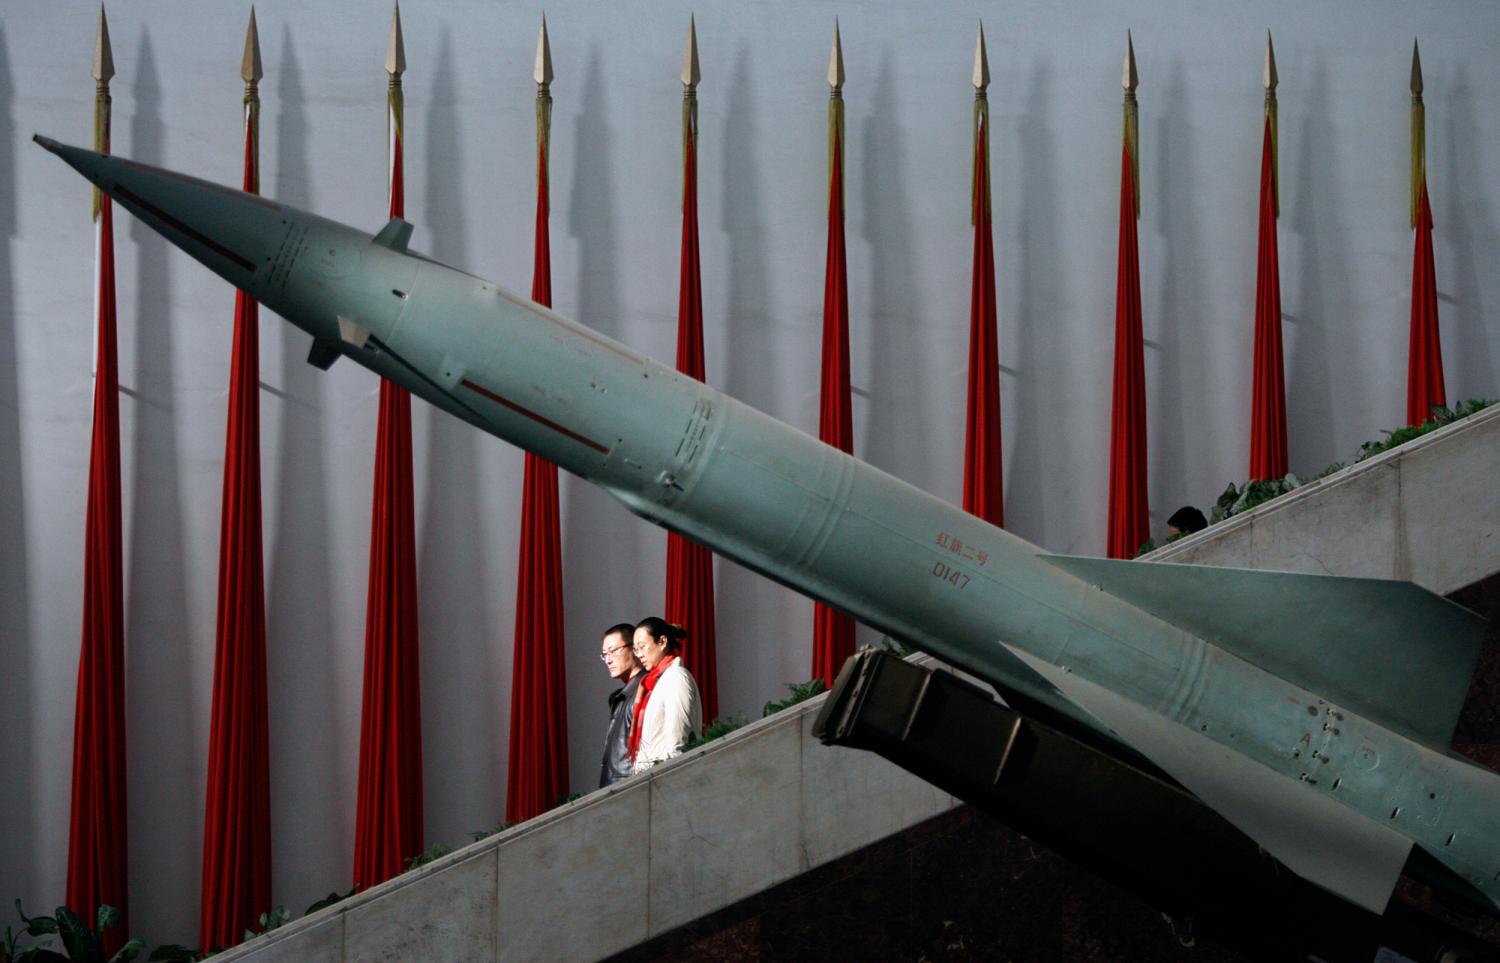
{"points": [[648, 682]]}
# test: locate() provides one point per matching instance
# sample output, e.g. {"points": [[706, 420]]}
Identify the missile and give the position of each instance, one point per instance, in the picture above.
{"points": [[1314, 713]]}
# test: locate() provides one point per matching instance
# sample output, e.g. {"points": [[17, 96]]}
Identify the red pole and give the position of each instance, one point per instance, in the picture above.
{"points": [[1268, 398], [537, 766], [1129, 521], [237, 814]]}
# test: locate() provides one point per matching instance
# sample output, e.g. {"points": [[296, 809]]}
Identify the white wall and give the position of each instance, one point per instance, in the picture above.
{"points": [[1345, 248]]}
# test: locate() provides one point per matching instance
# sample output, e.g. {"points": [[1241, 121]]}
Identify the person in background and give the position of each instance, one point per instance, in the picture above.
{"points": [[667, 708], [1185, 521], [624, 667]]}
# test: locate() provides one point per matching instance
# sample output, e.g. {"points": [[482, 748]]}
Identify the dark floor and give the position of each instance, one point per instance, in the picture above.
{"points": [[961, 886], [1478, 732], [964, 886], [1477, 736]]}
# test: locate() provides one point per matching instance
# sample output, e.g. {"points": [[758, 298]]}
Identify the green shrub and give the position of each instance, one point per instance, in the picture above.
{"points": [[1149, 545], [721, 726], [82, 943], [1239, 498], [438, 851], [1242, 498], [327, 901], [800, 692], [895, 646], [1440, 416]]}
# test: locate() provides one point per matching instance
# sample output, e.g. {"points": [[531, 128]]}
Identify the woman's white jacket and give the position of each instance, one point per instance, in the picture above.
{"points": [[673, 713]]}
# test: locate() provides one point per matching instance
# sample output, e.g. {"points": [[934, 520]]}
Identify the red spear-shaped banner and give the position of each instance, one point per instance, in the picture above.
{"points": [[97, 824], [237, 813], [1424, 366], [388, 817], [1268, 395], [833, 631], [1129, 523], [690, 567], [537, 768], [984, 487], [1424, 373]]}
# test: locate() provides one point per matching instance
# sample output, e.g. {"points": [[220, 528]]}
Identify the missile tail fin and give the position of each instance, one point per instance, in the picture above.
{"points": [[396, 235], [352, 334], [1315, 837], [1390, 651], [324, 352]]}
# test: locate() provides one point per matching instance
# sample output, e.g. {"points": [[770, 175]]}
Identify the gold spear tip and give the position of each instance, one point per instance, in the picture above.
{"points": [[1416, 69], [104, 58], [250, 65], [1268, 72], [690, 72], [395, 58], [1130, 80], [981, 61], [542, 71], [836, 60]]}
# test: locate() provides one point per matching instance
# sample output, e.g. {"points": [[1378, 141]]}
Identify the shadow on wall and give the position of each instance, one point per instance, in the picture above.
{"points": [[897, 407], [166, 774], [602, 542], [1180, 358], [17, 795], [1315, 208], [312, 813], [750, 336], [1466, 233], [459, 633], [1033, 457], [745, 597], [890, 424]]}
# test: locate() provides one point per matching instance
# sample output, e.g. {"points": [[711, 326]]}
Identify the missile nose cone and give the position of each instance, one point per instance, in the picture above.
{"points": [[234, 233], [76, 157], [85, 162]]}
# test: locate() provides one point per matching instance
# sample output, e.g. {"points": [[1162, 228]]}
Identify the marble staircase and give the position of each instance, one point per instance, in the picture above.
{"points": [[769, 802]]}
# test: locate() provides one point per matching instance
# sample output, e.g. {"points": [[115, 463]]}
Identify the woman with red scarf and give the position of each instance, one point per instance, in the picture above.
{"points": [[667, 708]]}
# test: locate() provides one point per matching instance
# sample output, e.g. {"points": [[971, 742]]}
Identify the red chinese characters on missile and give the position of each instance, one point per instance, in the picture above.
{"points": [[958, 547]]}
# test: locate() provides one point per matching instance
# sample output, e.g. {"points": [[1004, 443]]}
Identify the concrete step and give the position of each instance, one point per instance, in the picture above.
{"points": [[769, 802], [623, 865], [1427, 512]]}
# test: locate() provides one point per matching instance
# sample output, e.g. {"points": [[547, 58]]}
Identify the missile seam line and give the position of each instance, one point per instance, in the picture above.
{"points": [[177, 225], [386, 349], [539, 419], [981, 572], [571, 327], [200, 182]]}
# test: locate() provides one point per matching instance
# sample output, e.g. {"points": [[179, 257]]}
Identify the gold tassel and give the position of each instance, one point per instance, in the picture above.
{"points": [[689, 134], [101, 134], [394, 116], [981, 124], [252, 131], [1418, 153], [1275, 156], [835, 134], [543, 124], [1133, 142]]}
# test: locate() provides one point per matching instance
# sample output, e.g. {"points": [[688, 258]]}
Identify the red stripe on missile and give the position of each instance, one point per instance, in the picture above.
{"points": [[518, 409], [176, 225]]}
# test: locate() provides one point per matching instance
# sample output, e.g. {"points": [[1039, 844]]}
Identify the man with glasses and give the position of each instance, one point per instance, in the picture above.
{"points": [[623, 667]]}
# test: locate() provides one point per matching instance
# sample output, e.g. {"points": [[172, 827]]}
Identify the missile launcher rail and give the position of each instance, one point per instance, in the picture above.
{"points": [[1124, 821]]}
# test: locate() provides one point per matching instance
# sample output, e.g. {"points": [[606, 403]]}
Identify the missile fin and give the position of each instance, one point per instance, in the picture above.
{"points": [[1391, 651], [324, 352], [396, 235], [1318, 839], [352, 334]]}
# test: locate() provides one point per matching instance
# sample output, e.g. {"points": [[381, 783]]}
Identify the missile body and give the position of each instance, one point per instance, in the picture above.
{"points": [[1313, 712]]}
